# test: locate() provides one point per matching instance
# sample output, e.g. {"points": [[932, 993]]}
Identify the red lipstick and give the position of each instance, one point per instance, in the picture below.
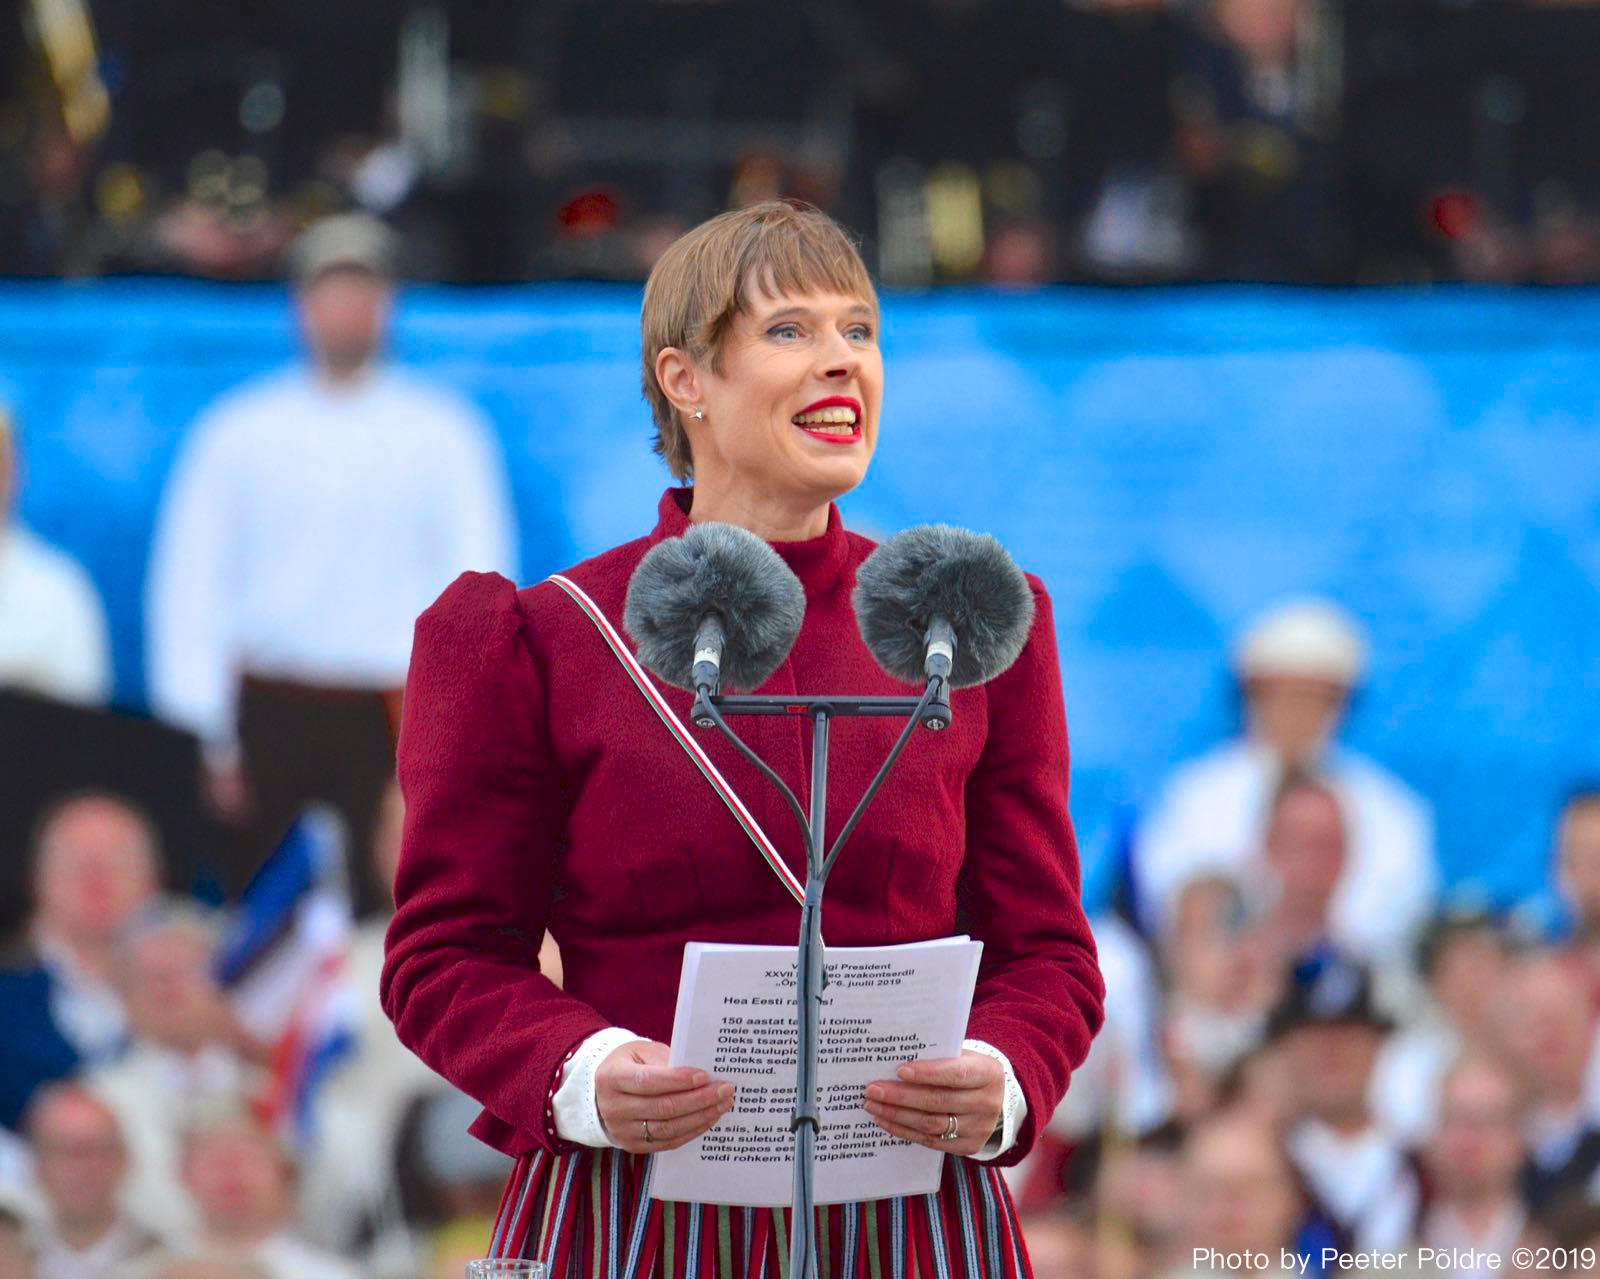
{"points": [[814, 429]]}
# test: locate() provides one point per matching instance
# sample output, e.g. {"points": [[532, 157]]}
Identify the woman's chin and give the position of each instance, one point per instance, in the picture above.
{"points": [[827, 483]]}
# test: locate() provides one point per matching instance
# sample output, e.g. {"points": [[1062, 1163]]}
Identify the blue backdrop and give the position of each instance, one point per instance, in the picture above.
{"points": [[1169, 462]]}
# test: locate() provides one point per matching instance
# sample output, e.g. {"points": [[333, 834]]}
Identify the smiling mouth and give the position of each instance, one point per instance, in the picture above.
{"points": [[836, 423]]}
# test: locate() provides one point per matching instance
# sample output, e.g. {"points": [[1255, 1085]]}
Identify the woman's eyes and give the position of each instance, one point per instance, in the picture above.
{"points": [[787, 332]]}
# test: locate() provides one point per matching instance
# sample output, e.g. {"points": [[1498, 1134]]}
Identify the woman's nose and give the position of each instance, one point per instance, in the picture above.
{"points": [[840, 360]]}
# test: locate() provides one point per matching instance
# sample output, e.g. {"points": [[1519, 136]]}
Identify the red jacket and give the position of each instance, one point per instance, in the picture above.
{"points": [[542, 791]]}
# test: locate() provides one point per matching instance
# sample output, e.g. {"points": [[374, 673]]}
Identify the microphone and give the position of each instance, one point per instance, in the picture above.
{"points": [[945, 607], [715, 605]]}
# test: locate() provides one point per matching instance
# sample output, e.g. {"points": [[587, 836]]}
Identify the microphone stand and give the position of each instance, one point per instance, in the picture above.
{"points": [[709, 710]]}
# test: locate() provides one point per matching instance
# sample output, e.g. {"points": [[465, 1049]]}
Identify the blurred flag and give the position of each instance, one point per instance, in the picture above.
{"points": [[283, 962]]}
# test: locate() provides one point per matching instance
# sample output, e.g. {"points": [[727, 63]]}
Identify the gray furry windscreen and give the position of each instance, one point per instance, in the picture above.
{"points": [[714, 568], [965, 577]]}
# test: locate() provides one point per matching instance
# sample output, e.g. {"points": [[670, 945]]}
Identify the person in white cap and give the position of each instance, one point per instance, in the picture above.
{"points": [[309, 518], [1297, 666]]}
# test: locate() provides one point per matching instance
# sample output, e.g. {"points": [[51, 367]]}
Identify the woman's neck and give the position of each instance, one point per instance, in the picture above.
{"points": [[770, 519]]}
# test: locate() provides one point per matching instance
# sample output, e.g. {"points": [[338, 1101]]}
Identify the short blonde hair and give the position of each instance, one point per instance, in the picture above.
{"points": [[704, 279]]}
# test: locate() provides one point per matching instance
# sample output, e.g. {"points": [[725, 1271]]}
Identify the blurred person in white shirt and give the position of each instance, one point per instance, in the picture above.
{"points": [[80, 1163], [242, 1181], [311, 516], [53, 638], [187, 1057], [1297, 667]]}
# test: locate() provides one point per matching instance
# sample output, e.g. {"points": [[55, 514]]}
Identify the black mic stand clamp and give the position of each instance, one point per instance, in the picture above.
{"points": [[932, 709]]}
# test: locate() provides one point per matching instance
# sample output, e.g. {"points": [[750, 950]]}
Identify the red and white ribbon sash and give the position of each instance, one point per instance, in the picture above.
{"points": [[643, 682]]}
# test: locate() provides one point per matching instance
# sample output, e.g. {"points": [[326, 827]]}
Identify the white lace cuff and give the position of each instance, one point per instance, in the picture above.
{"points": [[1013, 1110], [576, 1111]]}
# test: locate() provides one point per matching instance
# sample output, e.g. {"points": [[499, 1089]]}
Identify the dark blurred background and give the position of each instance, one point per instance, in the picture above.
{"points": [[1325, 568], [1302, 141]]}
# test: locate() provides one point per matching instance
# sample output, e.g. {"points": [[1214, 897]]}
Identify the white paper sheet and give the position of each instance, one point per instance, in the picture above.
{"points": [[883, 1006]]}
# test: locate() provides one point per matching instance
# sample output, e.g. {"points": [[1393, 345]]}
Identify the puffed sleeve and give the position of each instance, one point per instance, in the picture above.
{"points": [[484, 819], [1040, 997]]}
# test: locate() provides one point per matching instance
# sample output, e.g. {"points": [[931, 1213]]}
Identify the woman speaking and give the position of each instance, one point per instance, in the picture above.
{"points": [[543, 792]]}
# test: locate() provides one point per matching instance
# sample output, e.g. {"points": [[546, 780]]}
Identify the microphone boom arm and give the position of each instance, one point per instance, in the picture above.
{"points": [[848, 829], [706, 715]]}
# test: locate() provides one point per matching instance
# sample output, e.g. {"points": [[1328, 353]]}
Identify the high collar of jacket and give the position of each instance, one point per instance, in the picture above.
{"points": [[816, 561]]}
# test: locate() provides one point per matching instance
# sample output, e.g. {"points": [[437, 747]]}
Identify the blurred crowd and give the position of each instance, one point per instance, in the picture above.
{"points": [[1305, 141], [1315, 1058], [1310, 1043]]}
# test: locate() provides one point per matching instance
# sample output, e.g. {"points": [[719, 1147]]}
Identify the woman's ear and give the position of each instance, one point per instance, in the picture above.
{"points": [[678, 379]]}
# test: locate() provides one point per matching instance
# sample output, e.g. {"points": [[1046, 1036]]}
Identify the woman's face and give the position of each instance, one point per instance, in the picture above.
{"points": [[791, 418]]}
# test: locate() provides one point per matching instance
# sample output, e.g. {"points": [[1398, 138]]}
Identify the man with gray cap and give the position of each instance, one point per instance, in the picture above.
{"points": [[310, 517], [1296, 665]]}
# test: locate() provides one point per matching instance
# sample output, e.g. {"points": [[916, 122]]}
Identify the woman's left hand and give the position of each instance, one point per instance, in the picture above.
{"points": [[918, 1105]]}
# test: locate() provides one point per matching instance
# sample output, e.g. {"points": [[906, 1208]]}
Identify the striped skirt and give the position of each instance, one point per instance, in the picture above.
{"points": [[589, 1215]]}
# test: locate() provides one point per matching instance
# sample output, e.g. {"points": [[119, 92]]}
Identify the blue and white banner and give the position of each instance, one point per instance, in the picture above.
{"points": [[1168, 461]]}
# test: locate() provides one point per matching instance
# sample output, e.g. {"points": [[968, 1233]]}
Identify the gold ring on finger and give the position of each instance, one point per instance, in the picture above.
{"points": [[647, 1135], [949, 1133]]}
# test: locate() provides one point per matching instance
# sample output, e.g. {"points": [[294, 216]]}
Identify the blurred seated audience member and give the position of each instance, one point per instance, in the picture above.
{"points": [[1356, 1173], [1297, 667], [1578, 876], [53, 638], [451, 1247], [194, 1266], [1574, 1225], [1462, 958], [450, 1181], [16, 1166], [1122, 1083], [1061, 1242], [1239, 1193], [242, 1181], [310, 516], [347, 1185], [17, 1254], [1304, 849], [347, 1179], [1121, 1090], [455, 1175], [1547, 1024], [95, 864], [1262, 1086], [80, 1164], [1137, 1193], [1219, 986], [187, 1056], [1473, 1161]]}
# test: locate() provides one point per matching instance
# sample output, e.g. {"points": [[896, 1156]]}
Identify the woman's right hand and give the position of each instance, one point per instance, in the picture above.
{"points": [[634, 1087]]}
